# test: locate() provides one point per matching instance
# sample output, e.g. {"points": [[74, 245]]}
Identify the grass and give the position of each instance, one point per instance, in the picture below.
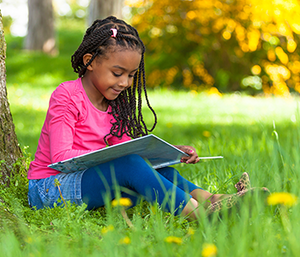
{"points": [[254, 134]]}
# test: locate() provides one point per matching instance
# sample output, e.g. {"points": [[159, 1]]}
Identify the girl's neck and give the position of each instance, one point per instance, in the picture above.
{"points": [[96, 98]]}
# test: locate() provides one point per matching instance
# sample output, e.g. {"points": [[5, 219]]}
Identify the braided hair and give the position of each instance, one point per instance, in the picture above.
{"points": [[127, 107]]}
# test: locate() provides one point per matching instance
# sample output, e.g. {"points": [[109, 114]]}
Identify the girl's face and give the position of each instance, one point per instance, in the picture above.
{"points": [[108, 77]]}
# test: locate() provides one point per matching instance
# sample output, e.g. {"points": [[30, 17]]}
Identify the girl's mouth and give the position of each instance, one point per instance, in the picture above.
{"points": [[116, 91]]}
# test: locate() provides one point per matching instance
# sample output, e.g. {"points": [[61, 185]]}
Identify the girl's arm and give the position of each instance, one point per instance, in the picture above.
{"points": [[60, 126], [191, 151]]}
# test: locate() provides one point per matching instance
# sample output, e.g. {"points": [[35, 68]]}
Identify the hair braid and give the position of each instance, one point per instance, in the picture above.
{"points": [[127, 107]]}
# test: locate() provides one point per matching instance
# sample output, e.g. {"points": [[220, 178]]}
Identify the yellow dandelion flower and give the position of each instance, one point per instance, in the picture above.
{"points": [[125, 241], [29, 240], [206, 133], [126, 202], [173, 239], [209, 250], [191, 232], [107, 229], [283, 198], [169, 125]]}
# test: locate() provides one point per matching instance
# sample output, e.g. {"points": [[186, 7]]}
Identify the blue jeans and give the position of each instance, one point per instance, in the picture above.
{"points": [[43, 192], [129, 176]]}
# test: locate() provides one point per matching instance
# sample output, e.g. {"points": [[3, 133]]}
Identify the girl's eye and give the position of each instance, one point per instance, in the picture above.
{"points": [[117, 75]]}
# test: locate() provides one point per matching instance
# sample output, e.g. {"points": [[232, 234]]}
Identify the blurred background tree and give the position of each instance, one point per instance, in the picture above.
{"points": [[40, 32], [99, 9]]}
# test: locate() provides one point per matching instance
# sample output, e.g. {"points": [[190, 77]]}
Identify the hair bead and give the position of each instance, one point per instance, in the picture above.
{"points": [[114, 32]]}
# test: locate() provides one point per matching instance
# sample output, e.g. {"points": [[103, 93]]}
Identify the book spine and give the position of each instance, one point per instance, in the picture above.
{"points": [[165, 164]]}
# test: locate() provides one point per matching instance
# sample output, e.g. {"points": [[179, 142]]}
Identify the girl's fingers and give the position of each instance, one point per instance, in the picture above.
{"points": [[191, 151], [193, 159]]}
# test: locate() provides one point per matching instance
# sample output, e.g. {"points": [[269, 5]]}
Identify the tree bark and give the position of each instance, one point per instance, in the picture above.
{"points": [[41, 34], [10, 151], [100, 9]]}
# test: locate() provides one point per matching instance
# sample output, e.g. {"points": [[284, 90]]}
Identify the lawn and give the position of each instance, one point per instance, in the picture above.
{"points": [[259, 135]]}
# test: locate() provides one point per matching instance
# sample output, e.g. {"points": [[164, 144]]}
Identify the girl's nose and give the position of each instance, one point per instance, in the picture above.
{"points": [[124, 82]]}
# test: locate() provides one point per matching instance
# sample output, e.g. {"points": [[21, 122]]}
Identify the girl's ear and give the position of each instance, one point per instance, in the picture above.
{"points": [[86, 59]]}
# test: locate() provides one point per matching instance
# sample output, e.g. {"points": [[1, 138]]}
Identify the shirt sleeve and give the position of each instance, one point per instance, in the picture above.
{"points": [[62, 116]]}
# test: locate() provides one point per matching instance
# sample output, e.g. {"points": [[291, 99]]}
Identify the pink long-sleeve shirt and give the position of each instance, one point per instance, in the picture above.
{"points": [[73, 126]]}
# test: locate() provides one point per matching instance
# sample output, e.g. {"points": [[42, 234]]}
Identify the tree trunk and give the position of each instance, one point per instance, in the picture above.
{"points": [[41, 34], [100, 9], [10, 151]]}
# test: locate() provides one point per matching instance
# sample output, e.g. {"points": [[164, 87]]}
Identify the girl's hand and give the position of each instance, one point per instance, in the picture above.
{"points": [[191, 151]]}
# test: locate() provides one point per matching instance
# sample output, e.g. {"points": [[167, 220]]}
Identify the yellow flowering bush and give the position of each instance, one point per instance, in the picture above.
{"points": [[201, 44]]}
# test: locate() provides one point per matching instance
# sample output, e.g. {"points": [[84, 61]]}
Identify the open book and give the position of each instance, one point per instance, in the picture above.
{"points": [[156, 151]]}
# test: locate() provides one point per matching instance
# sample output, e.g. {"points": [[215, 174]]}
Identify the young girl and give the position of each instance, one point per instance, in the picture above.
{"points": [[103, 107]]}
